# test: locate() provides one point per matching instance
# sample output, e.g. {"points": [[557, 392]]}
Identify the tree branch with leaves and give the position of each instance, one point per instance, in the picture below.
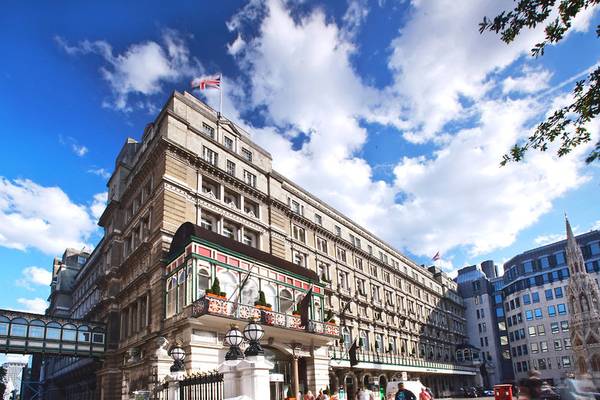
{"points": [[567, 125]]}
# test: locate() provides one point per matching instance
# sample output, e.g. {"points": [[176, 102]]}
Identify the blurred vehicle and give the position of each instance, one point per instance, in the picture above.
{"points": [[548, 393], [579, 389], [470, 392], [488, 392], [503, 392]]}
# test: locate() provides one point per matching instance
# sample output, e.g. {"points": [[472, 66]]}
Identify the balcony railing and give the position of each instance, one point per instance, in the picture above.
{"points": [[397, 360], [209, 305]]}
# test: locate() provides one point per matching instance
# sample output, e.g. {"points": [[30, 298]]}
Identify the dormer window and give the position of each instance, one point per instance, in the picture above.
{"points": [[247, 154]]}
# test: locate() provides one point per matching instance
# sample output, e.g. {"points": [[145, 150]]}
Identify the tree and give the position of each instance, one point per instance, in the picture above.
{"points": [[2, 382], [567, 125]]}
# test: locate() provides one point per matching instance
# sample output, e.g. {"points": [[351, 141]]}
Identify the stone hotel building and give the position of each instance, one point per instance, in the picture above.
{"points": [[195, 199]]}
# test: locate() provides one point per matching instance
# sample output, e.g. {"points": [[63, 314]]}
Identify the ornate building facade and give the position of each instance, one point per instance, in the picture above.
{"points": [[583, 297], [248, 223]]}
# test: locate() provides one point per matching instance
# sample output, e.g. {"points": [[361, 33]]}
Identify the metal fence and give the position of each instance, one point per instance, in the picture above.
{"points": [[203, 386]]}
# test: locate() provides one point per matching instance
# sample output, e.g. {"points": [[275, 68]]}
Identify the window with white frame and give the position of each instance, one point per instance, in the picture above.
{"points": [[229, 231], [208, 222], [343, 279], [323, 270], [338, 231], [375, 293], [250, 238], [299, 258], [202, 280], [358, 262], [318, 219], [230, 167], [250, 292], [296, 207], [341, 254], [360, 286], [247, 154], [299, 233], [208, 130], [210, 156], [249, 178], [228, 142], [321, 244], [251, 208]]}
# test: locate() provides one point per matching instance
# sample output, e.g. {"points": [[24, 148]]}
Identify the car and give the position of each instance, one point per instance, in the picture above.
{"points": [[488, 392]]}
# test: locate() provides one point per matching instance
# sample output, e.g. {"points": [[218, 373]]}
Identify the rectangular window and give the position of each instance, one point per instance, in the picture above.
{"points": [[538, 313], [535, 297], [557, 345], [322, 245], [249, 178], [554, 327], [544, 346], [558, 292], [528, 315], [535, 348], [566, 362], [562, 309], [542, 364], [564, 326], [358, 263], [338, 231], [228, 142], [551, 311], [208, 130], [210, 156], [230, 167], [567, 343], [526, 299], [531, 331], [541, 330], [549, 294], [299, 233], [341, 254], [318, 219], [247, 154]]}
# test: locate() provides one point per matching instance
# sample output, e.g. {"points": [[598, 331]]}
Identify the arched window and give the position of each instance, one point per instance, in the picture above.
{"points": [[347, 337], [596, 363], [69, 333], [53, 331], [36, 329], [181, 290], [364, 340], [286, 301], [228, 282], [18, 327], [318, 313], [270, 294], [585, 305], [83, 334], [189, 287], [4, 323], [250, 292], [171, 296], [202, 281]]}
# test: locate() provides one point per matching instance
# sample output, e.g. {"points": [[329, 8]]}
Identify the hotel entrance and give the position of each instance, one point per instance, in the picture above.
{"points": [[281, 374]]}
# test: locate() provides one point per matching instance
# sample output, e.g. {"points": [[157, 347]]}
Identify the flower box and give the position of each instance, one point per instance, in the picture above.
{"points": [[217, 296], [263, 307]]}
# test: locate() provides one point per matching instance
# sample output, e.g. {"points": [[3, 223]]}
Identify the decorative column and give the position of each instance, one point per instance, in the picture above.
{"points": [[296, 379]]}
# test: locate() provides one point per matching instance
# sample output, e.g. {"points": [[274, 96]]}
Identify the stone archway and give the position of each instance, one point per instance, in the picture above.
{"points": [[383, 384]]}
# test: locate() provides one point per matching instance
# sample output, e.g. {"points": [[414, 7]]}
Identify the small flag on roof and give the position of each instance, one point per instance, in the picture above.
{"points": [[207, 82], [436, 257]]}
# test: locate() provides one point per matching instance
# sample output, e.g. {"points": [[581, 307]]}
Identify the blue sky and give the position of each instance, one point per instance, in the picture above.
{"points": [[396, 113]]}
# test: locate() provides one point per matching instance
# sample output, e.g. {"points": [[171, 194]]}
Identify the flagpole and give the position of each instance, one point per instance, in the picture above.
{"points": [[221, 97]]}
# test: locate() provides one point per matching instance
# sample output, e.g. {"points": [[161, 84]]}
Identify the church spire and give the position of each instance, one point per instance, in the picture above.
{"points": [[574, 256]]}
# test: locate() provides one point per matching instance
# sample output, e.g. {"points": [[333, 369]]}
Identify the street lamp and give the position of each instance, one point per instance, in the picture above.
{"points": [[234, 338], [253, 333], [178, 355]]}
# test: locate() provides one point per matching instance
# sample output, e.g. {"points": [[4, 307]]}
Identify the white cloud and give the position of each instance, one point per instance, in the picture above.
{"points": [[101, 172], [596, 225], [36, 305], [99, 204], [236, 45], [34, 276], [457, 197], [35, 216], [79, 149], [141, 69], [543, 240], [355, 15], [531, 81]]}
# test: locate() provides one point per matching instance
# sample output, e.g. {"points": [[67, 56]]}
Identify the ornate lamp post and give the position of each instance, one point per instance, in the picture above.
{"points": [[234, 338], [178, 355], [253, 333]]}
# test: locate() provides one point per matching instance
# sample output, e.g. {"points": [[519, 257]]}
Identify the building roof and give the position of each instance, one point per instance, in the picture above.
{"points": [[187, 230]]}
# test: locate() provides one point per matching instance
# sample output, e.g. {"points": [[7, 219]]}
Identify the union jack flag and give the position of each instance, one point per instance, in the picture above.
{"points": [[436, 257], [207, 82]]}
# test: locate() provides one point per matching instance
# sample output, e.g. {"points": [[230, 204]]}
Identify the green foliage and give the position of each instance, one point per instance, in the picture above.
{"points": [[216, 288], [262, 300], [2, 382], [566, 125]]}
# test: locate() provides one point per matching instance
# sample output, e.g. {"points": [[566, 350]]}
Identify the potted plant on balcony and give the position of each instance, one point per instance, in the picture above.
{"points": [[261, 303], [289, 395], [215, 290], [296, 312]]}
